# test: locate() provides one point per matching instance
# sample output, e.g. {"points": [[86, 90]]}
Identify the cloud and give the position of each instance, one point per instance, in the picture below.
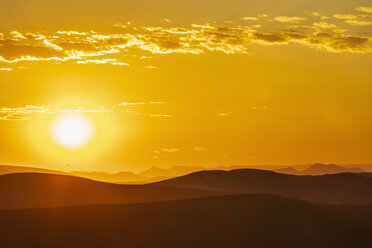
{"points": [[347, 42], [169, 149], [325, 25], [355, 20], [345, 16], [27, 112], [269, 38], [11, 51], [364, 9], [359, 22], [158, 102], [248, 18], [136, 42], [289, 19], [160, 115], [131, 103], [258, 107], [331, 42], [224, 114], [162, 152], [102, 61], [166, 20], [325, 17], [199, 149]]}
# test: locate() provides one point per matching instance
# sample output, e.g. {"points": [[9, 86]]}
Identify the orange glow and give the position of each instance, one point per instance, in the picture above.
{"points": [[234, 83]]}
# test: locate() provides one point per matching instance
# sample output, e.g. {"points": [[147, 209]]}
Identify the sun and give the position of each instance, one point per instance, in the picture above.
{"points": [[72, 130]]}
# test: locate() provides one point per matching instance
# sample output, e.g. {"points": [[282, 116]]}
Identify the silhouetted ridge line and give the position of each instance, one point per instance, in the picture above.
{"points": [[34, 190], [344, 188], [320, 169]]}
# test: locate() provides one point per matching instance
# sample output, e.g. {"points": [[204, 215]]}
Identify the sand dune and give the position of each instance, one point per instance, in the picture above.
{"points": [[345, 188], [34, 190], [227, 221]]}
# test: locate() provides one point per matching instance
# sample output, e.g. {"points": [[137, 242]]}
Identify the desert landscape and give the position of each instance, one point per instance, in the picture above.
{"points": [[209, 208], [185, 124]]}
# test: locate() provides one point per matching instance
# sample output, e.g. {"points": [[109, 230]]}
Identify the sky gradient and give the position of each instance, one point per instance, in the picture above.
{"points": [[188, 83]]}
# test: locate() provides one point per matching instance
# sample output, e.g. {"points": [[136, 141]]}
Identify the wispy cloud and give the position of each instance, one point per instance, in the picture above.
{"points": [[199, 148], [102, 61], [355, 20], [131, 103], [150, 67], [224, 114], [325, 25], [364, 9], [28, 111], [169, 150], [289, 19], [163, 152], [160, 115], [130, 41], [249, 18]]}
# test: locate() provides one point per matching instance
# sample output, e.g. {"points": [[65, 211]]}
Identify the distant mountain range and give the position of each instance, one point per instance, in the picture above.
{"points": [[152, 174], [155, 174], [320, 169]]}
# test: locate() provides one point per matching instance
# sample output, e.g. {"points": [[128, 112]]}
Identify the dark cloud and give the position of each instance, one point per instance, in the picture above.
{"points": [[12, 51], [274, 37]]}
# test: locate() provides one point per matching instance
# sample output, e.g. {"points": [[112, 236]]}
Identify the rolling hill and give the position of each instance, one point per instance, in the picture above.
{"points": [[155, 174], [344, 188], [226, 221], [9, 169], [120, 177], [34, 190]]}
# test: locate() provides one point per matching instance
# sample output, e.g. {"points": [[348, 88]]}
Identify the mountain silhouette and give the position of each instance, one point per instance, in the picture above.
{"points": [[226, 221], [289, 170], [176, 171], [320, 169], [344, 188], [34, 190], [120, 177], [155, 174]]}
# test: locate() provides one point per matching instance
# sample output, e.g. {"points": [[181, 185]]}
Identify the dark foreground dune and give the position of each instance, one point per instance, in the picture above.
{"points": [[34, 190], [224, 221], [343, 188]]}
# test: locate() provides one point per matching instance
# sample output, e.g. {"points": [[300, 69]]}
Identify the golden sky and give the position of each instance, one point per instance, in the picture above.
{"points": [[186, 82]]}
